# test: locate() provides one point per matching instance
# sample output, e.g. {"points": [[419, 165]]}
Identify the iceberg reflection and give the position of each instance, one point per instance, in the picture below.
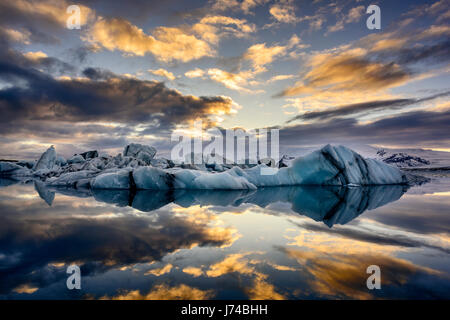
{"points": [[332, 205]]}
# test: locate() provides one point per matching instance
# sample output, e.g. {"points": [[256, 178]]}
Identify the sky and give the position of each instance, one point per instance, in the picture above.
{"points": [[137, 70]]}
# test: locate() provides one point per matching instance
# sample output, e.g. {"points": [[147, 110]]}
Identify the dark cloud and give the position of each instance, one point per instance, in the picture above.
{"points": [[35, 95], [364, 107], [420, 128]]}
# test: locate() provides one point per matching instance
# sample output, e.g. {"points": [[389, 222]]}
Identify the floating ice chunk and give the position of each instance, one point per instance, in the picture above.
{"points": [[76, 159], [89, 154], [158, 179], [47, 159], [112, 180], [152, 178], [61, 161], [70, 179], [232, 179], [341, 166], [12, 169], [162, 163], [139, 151], [26, 164]]}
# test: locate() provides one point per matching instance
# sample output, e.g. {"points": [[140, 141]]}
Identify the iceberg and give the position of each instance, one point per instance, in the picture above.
{"points": [[329, 166], [9, 169], [139, 151], [137, 169], [47, 160]]}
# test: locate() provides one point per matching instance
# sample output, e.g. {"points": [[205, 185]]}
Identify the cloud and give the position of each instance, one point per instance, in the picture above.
{"points": [[374, 63], [101, 96], [284, 11], [260, 55], [183, 43], [38, 19], [13, 35], [244, 6], [212, 28], [163, 73], [348, 71], [423, 129], [368, 106], [234, 81], [353, 15], [195, 73], [281, 77], [166, 44]]}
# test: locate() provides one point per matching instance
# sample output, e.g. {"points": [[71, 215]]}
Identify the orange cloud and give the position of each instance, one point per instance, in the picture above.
{"points": [[284, 11], [163, 73], [262, 290], [344, 275], [196, 272], [260, 55], [164, 292], [160, 271], [348, 71], [166, 44]]}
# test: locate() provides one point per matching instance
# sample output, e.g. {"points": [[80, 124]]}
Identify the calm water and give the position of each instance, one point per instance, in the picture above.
{"points": [[276, 243]]}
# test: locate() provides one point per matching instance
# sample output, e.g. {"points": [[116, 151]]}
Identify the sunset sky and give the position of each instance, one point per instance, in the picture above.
{"points": [[137, 70]]}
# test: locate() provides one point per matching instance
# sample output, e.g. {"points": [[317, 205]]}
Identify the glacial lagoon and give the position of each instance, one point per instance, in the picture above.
{"points": [[271, 243]]}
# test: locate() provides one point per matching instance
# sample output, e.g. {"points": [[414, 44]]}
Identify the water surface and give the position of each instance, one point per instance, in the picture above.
{"points": [[273, 243]]}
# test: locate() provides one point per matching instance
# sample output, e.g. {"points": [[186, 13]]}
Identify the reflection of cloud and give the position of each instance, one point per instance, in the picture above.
{"points": [[343, 275], [239, 264], [350, 236], [97, 238], [262, 290], [164, 292], [232, 263], [196, 272], [160, 271], [25, 288]]}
